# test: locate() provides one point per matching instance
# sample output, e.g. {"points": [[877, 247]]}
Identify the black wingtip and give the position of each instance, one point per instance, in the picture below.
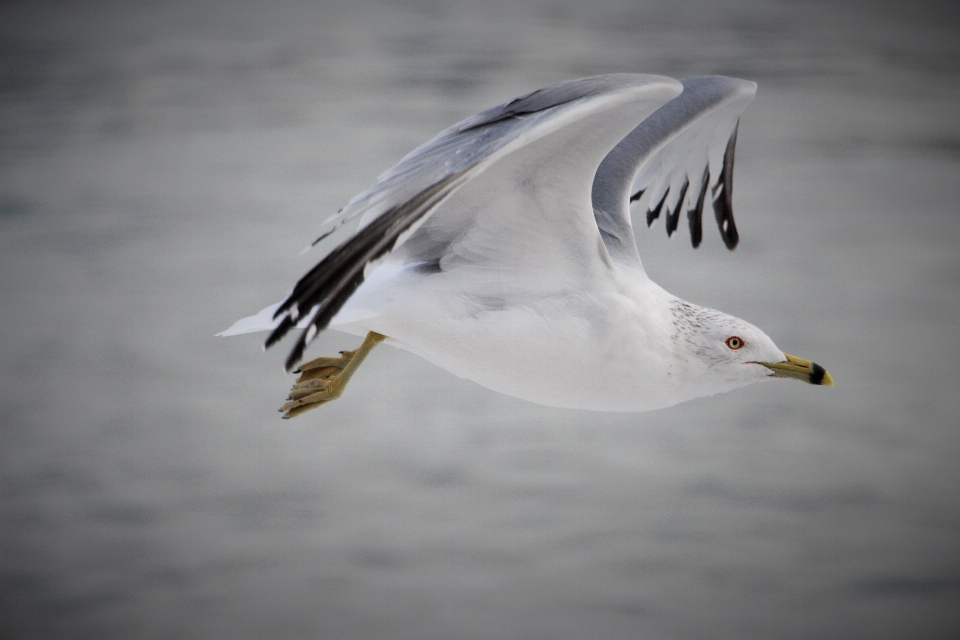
{"points": [[728, 228], [723, 203], [637, 195], [696, 227], [327, 286], [695, 215], [277, 334], [655, 212], [673, 217], [296, 353], [322, 318]]}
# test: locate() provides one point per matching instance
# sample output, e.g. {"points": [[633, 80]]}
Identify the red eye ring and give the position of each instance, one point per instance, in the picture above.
{"points": [[735, 342]]}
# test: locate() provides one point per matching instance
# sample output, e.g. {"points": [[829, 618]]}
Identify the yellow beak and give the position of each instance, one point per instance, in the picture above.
{"points": [[800, 369]]}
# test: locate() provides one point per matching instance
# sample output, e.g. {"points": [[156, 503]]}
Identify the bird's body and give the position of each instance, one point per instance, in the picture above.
{"points": [[623, 342], [502, 250], [510, 345]]}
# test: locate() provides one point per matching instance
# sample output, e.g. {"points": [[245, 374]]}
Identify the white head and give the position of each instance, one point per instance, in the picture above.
{"points": [[721, 352]]}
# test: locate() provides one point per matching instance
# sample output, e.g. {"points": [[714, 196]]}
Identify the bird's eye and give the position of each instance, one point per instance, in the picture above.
{"points": [[735, 342]]}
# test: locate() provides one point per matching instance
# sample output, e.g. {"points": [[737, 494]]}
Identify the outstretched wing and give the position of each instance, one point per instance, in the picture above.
{"points": [[673, 161], [507, 188]]}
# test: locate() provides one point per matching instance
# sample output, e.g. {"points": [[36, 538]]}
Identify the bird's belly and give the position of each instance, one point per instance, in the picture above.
{"points": [[555, 353]]}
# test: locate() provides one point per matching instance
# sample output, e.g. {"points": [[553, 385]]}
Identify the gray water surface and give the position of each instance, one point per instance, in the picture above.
{"points": [[161, 166]]}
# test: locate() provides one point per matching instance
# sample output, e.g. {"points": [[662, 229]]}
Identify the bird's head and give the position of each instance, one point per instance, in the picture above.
{"points": [[731, 352]]}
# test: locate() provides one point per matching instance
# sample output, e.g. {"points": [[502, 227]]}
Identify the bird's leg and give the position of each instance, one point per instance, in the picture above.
{"points": [[324, 379]]}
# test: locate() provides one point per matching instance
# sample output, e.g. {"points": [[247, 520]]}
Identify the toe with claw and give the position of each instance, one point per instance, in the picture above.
{"points": [[324, 379]]}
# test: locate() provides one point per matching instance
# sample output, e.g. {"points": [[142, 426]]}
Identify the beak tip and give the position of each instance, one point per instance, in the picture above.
{"points": [[800, 369], [819, 376]]}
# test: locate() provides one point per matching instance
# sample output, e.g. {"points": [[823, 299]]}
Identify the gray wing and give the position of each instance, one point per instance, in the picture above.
{"points": [[672, 161], [463, 145], [509, 184]]}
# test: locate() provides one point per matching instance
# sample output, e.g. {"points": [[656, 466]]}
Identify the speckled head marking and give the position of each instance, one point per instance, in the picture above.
{"points": [[696, 328]]}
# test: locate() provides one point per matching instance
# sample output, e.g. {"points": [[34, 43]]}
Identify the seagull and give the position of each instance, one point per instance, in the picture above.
{"points": [[502, 250]]}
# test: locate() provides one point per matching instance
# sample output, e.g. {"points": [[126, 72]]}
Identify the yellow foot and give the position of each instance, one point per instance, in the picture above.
{"points": [[324, 379]]}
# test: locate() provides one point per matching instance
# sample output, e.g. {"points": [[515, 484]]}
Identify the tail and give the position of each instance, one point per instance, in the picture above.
{"points": [[262, 321]]}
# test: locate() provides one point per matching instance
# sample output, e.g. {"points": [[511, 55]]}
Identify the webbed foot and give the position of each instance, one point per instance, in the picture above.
{"points": [[324, 379]]}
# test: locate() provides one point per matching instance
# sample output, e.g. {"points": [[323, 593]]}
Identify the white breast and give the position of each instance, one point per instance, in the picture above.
{"points": [[617, 349]]}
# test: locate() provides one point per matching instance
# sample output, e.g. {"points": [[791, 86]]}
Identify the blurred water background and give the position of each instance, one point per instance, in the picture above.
{"points": [[163, 163]]}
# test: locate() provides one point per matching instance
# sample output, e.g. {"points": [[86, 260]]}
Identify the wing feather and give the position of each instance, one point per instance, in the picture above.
{"points": [[423, 190], [666, 153], [723, 202]]}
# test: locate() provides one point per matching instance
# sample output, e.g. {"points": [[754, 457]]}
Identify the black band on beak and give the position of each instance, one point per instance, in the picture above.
{"points": [[817, 376]]}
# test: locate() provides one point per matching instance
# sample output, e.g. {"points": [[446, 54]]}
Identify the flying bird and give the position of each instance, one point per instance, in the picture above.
{"points": [[503, 251]]}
